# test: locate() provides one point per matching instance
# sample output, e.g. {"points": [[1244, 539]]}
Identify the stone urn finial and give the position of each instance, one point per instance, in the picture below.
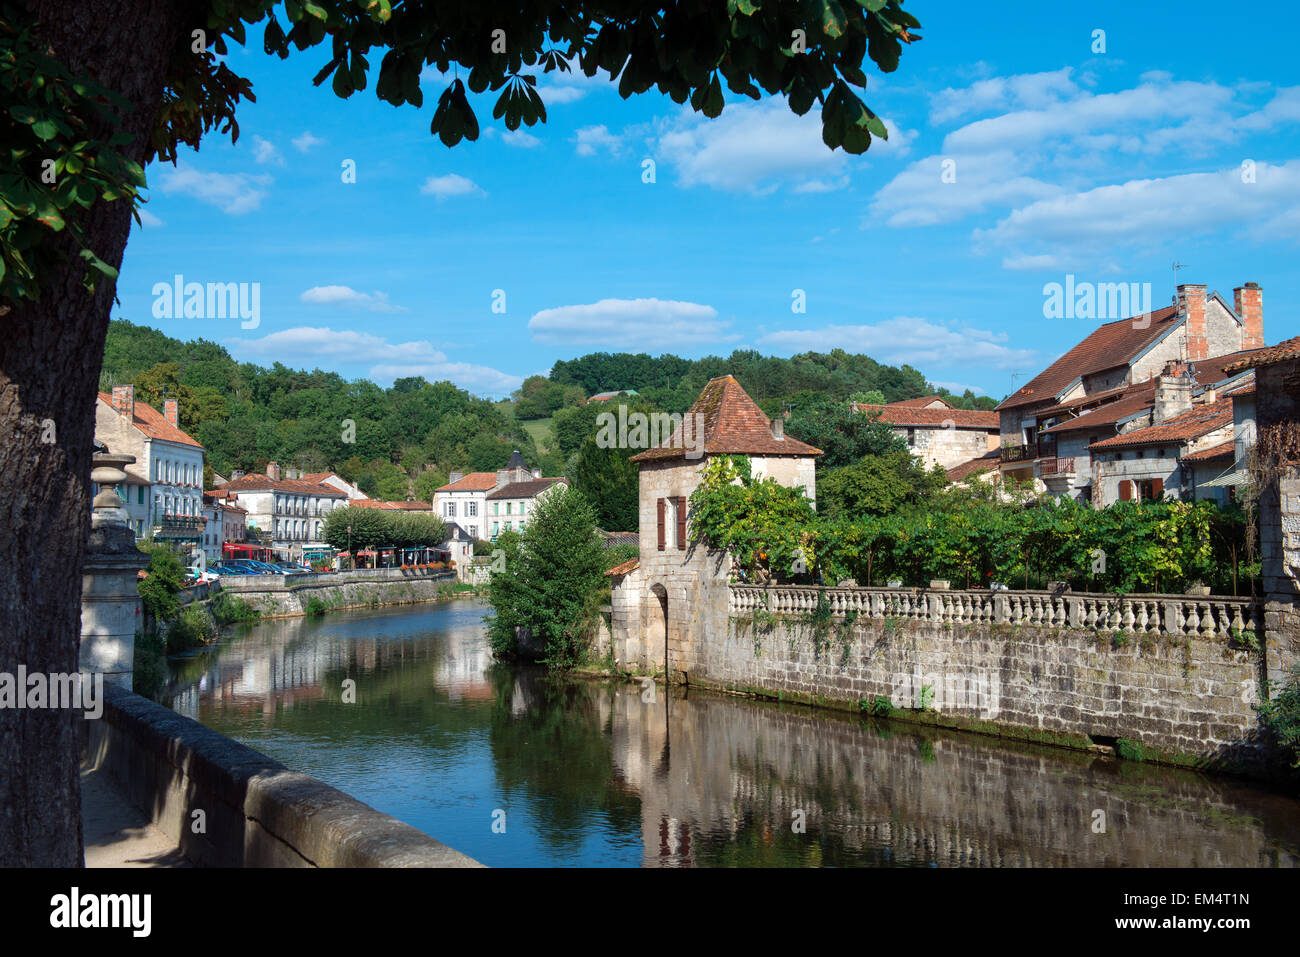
{"points": [[109, 472]]}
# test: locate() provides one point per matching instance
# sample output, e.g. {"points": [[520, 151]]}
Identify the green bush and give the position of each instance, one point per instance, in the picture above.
{"points": [[227, 609], [189, 629], [1281, 716]]}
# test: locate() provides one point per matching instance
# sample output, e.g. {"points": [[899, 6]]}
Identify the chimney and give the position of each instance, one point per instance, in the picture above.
{"points": [[1173, 394], [537, 473], [777, 427], [1191, 306], [503, 477], [273, 471], [124, 401], [236, 474], [172, 412], [455, 477], [1248, 300]]}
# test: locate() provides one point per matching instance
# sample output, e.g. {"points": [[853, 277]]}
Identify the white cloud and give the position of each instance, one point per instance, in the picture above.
{"points": [[232, 193], [264, 151], [1025, 90], [347, 296], [930, 191], [755, 147], [560, 94], [450, 185], [307, 344], [592, 139], [148, 220], [1042, 261], [917, 342], [520, 138], [959, 388], [306, 141], [1142, 209], [663, 324]]}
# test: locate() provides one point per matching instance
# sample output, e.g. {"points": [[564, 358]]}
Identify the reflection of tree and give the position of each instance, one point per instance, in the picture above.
{"points": [[555, 750]]}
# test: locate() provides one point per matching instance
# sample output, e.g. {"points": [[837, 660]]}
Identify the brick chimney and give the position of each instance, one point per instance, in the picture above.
{"points": [[455, 477], [124, 401], [1173, 392], [1191, 306], [172, 412], [1248, 300], [273, 471]]}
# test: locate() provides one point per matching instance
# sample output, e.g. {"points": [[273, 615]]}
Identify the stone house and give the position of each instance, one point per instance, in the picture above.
{"points": [[291, 510], [164, 487], [937, 433], [661, 601], [1116, 363], [225, 521], [465, 498]]}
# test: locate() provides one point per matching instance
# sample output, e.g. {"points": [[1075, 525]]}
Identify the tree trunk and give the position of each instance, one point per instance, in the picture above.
{"points": [[50, 357]]}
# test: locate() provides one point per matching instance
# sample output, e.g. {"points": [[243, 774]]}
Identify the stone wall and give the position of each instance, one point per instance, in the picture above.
{"points": [[1174, 674], [288, 595], [226, 805]]}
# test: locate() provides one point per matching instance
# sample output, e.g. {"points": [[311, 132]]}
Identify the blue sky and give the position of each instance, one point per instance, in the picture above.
{"points": [[1180, 142]]}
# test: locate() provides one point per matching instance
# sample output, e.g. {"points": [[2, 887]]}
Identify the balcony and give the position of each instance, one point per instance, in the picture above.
{"points": [[181, 527], [1019, 453], [1056, 466]]}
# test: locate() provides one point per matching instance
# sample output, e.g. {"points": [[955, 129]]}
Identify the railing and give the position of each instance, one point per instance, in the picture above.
{"points": [[1056, 467], [1019, 453], [1173, 615]]}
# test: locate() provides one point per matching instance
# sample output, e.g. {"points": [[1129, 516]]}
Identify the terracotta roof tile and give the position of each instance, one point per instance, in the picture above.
{"points": [[915, 416], [733, 423], [1201, 420], [528, 489], [262, 483], [989, 460], [623, 569], [920, 403], [1134, 399], [153, 423], [1222, 451], [473, 482], [1111, 345], [1290, 349]]}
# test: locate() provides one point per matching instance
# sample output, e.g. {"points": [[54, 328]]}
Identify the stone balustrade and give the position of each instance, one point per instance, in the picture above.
{"points": [[1207, 616]]}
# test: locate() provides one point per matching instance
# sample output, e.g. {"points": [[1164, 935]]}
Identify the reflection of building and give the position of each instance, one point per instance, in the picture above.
{"points": [[165, 484]]}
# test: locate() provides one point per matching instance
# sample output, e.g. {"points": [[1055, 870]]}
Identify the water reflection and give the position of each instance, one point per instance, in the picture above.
{"points": [[600, 774]]}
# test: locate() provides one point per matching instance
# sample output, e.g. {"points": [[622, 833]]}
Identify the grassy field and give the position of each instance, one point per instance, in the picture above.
{"points": [[540, 430]]}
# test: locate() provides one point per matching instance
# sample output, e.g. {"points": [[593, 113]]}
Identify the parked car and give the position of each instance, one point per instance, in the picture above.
{"points": [[266, 567], [203, 575], [292, 568], [227, 568], [254, 567]]}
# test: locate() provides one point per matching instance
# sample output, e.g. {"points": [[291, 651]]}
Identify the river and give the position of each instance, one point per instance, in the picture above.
{"points": [[517, 768]]}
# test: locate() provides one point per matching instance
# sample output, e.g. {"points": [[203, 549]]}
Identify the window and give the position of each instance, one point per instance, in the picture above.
{"points": [[496, 530], [508, 507], [471, 509], [451, 509], [911, 437], [496, 508], [139, 498], [473, 531]]}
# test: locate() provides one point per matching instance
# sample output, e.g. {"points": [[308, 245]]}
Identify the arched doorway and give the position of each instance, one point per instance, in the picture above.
{"points": [[657, 627]]}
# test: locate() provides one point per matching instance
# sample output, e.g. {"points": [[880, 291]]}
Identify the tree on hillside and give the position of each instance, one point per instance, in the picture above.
{"points": [[843, 435], [610, 480], [123, 82]]}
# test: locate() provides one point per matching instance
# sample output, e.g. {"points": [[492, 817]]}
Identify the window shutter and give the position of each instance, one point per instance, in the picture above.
{"points": [[1125, 491], [681, 522], [1157, 489], [661, 504]]}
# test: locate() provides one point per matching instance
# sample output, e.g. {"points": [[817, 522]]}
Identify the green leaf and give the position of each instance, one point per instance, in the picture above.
{"points": [[45, 129], [833, 18]]}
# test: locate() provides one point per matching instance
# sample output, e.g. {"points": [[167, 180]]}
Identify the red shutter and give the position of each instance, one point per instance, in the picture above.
{"points": [[681, 522], [661, 524], [1157, 489], [1125, 491]]}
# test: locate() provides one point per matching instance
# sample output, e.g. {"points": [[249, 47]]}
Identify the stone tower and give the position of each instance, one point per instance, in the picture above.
{"points": [[666, 604]]}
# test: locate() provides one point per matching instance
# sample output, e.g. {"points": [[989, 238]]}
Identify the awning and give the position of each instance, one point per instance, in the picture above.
{"points": [[1227, 478]]}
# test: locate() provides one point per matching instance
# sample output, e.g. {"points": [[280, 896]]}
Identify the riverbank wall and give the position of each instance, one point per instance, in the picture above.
{"points": [[288, 596], [226, 805], [1171, 679]]}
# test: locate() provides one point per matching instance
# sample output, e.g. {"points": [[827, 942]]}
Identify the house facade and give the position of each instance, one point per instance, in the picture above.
{"points": [[1053, 429], [164, 488], [937, 433], [485, 504], [291, 512], [224, 521]]}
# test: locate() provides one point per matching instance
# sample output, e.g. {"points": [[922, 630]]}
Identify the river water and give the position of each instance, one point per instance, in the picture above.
{"points": [[514, 767]]}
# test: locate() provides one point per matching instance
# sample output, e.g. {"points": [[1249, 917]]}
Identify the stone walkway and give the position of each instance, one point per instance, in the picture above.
{"points": [[116, 833]]}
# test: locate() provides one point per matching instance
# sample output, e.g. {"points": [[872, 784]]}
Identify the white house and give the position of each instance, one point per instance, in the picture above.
{"points": [[292, 511], [472, 501]]}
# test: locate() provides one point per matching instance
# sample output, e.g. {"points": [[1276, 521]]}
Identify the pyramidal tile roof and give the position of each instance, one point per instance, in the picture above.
{"points": [[733, 424]]}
